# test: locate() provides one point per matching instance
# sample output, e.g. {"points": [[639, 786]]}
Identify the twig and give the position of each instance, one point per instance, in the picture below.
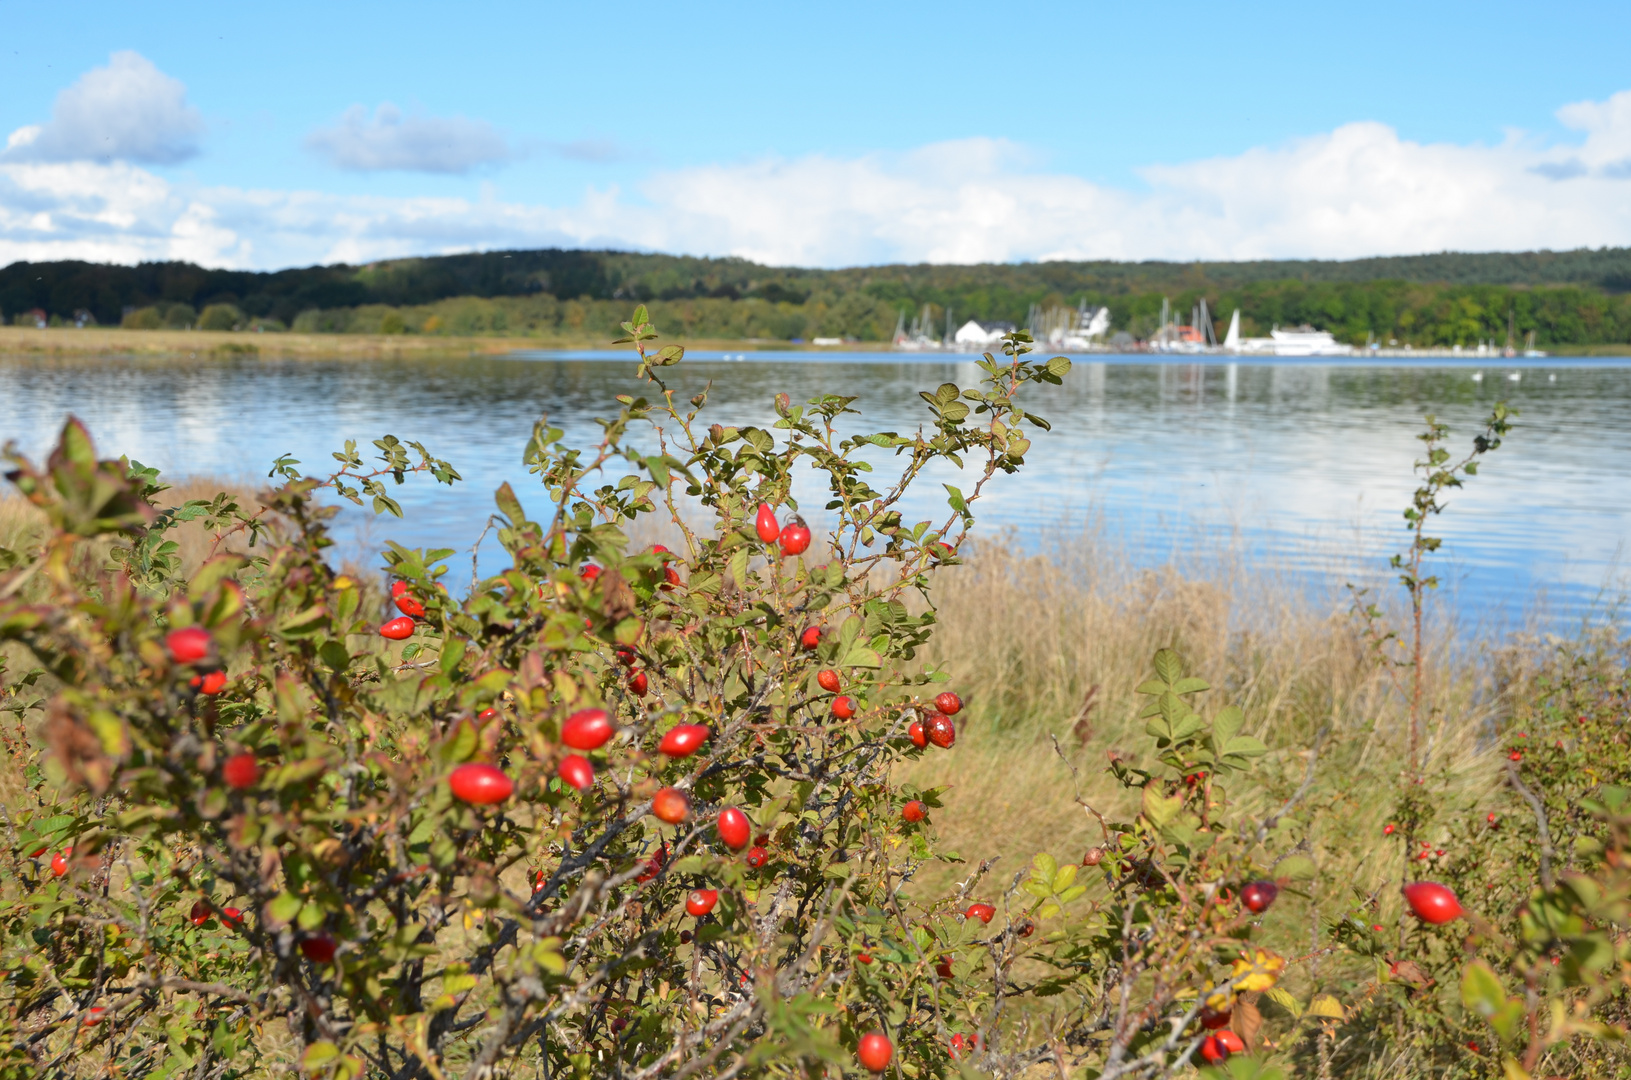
{"points": [[1539, 807]]}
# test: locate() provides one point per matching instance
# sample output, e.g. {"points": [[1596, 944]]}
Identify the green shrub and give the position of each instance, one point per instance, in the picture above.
{"points": [[220, 317]]}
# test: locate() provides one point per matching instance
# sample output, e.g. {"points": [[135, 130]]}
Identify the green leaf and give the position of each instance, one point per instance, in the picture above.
{"points": [[1245, 746], [1043, 867], [1481, 989], [1160, 809], [955, 499], [658, 468], [283, 907], [1281, 997], [1167, 667], [1226, 725], [318, 1054]]}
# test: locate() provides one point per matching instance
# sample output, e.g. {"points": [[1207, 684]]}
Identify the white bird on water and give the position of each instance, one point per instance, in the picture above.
{"points": [[1515, 375], [1478, 376]]}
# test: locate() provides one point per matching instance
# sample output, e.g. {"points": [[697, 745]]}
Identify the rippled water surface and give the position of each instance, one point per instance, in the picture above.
{"points": [[1303, 465]]}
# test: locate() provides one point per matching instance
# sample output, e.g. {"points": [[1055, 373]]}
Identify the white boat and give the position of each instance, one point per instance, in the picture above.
{"points": [[1303, 341]]}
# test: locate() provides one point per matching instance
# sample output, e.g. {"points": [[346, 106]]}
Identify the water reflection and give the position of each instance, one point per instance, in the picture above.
{"points": [[1298, 460]]}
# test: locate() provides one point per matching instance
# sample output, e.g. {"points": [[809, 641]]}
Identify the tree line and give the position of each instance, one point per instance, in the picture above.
{"points": [[1574, 297]]}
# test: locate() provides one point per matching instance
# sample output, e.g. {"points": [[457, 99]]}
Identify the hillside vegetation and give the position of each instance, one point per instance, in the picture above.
{"points": [[1564, 298]]}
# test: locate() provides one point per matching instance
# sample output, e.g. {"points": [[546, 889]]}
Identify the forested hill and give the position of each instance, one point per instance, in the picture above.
{"points": [[990, 290], [1561, 298]]}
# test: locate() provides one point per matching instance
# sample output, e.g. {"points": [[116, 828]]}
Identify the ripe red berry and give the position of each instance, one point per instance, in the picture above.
{"points": [[480, 783], [811, 637], [757, 857], [843, 707], [1432, 902], [576, 771], [200, 914], [685, 937], [231, 916], [319, 948], [397, 629], [654, 865], [587, 729], [1491, 817], [1258, 895], [670, 805], [795, 538], [93, 1015], [762, 839], [660, 549], [626, 655], [865, 958], [59, 862], [701, 901], [734, 828], [671, 578], [1093, 857], [948, 703], [828, 680], [961, 1044], [1217, 1048], [1387, 830], [874, 1051], [940, 730], [1212, 1019], [913, 811], [590, 572], [188, 645], [915, 732], [1515, 756], [943, 969], [241, 771], [212, 683], [638, 683], [765, 524], [487, 714], [409, 604], [683, 740], [984, 912]]}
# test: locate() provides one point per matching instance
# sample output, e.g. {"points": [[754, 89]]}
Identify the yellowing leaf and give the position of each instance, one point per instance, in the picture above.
{"points": [[1258, 972], [1327, 1006]]}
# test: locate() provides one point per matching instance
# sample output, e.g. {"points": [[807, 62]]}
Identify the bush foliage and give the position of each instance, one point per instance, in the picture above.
{"points": [[622, 810]]}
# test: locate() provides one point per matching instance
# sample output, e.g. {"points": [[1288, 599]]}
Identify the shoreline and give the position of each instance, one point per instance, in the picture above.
{"points": [[112, 341]]}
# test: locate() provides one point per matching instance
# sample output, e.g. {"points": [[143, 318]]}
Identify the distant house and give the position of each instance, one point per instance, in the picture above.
{"points": [[981, 334], [40, 319]]}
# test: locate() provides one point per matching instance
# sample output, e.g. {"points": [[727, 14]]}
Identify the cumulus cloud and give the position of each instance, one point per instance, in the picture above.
{"points": [[411, 143], [127, 111], [1358, 190]]}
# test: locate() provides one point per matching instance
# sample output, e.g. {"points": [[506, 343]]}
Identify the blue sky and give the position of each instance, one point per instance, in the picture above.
{"points": [[831, 134]]}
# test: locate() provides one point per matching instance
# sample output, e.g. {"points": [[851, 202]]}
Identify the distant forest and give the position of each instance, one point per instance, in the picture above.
{"points": [[1580, 297]]}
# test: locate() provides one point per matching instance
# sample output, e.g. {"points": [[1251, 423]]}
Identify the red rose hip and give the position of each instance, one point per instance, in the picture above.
{"points": [[587, 729], [319, 948], [843, 707], [1432, 902], [480, 783], [701, 901], [795, 539], [828, 680], [765, 525], [638, 683], [188, 645], [397, 629], [915, 732], [241, 771], [683, 740], [984, 912], [576, 771], [913, 811], [757, 857], [941, 731], [1258, 895], [874, 1051], [810, 638], [949, 703], [734, 828], [670, 805]]}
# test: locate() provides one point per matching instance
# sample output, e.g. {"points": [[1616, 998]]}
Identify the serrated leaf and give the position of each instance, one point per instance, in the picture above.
{"points": [[1065, 877], [1326, 1006], [1043, 867], [1245, 746], [1281, 997], [1226, 725], [1167, 667]]}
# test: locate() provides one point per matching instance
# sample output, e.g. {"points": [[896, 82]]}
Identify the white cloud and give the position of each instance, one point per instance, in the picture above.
{"points": [[412, 143], [127, 111], [1355, 191]]}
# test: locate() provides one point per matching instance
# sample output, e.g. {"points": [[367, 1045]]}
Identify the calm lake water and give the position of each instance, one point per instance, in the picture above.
{"points": [[1301, 465]]}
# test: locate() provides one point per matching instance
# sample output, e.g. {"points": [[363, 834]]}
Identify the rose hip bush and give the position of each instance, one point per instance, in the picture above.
{"points": [[616, 810]]}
